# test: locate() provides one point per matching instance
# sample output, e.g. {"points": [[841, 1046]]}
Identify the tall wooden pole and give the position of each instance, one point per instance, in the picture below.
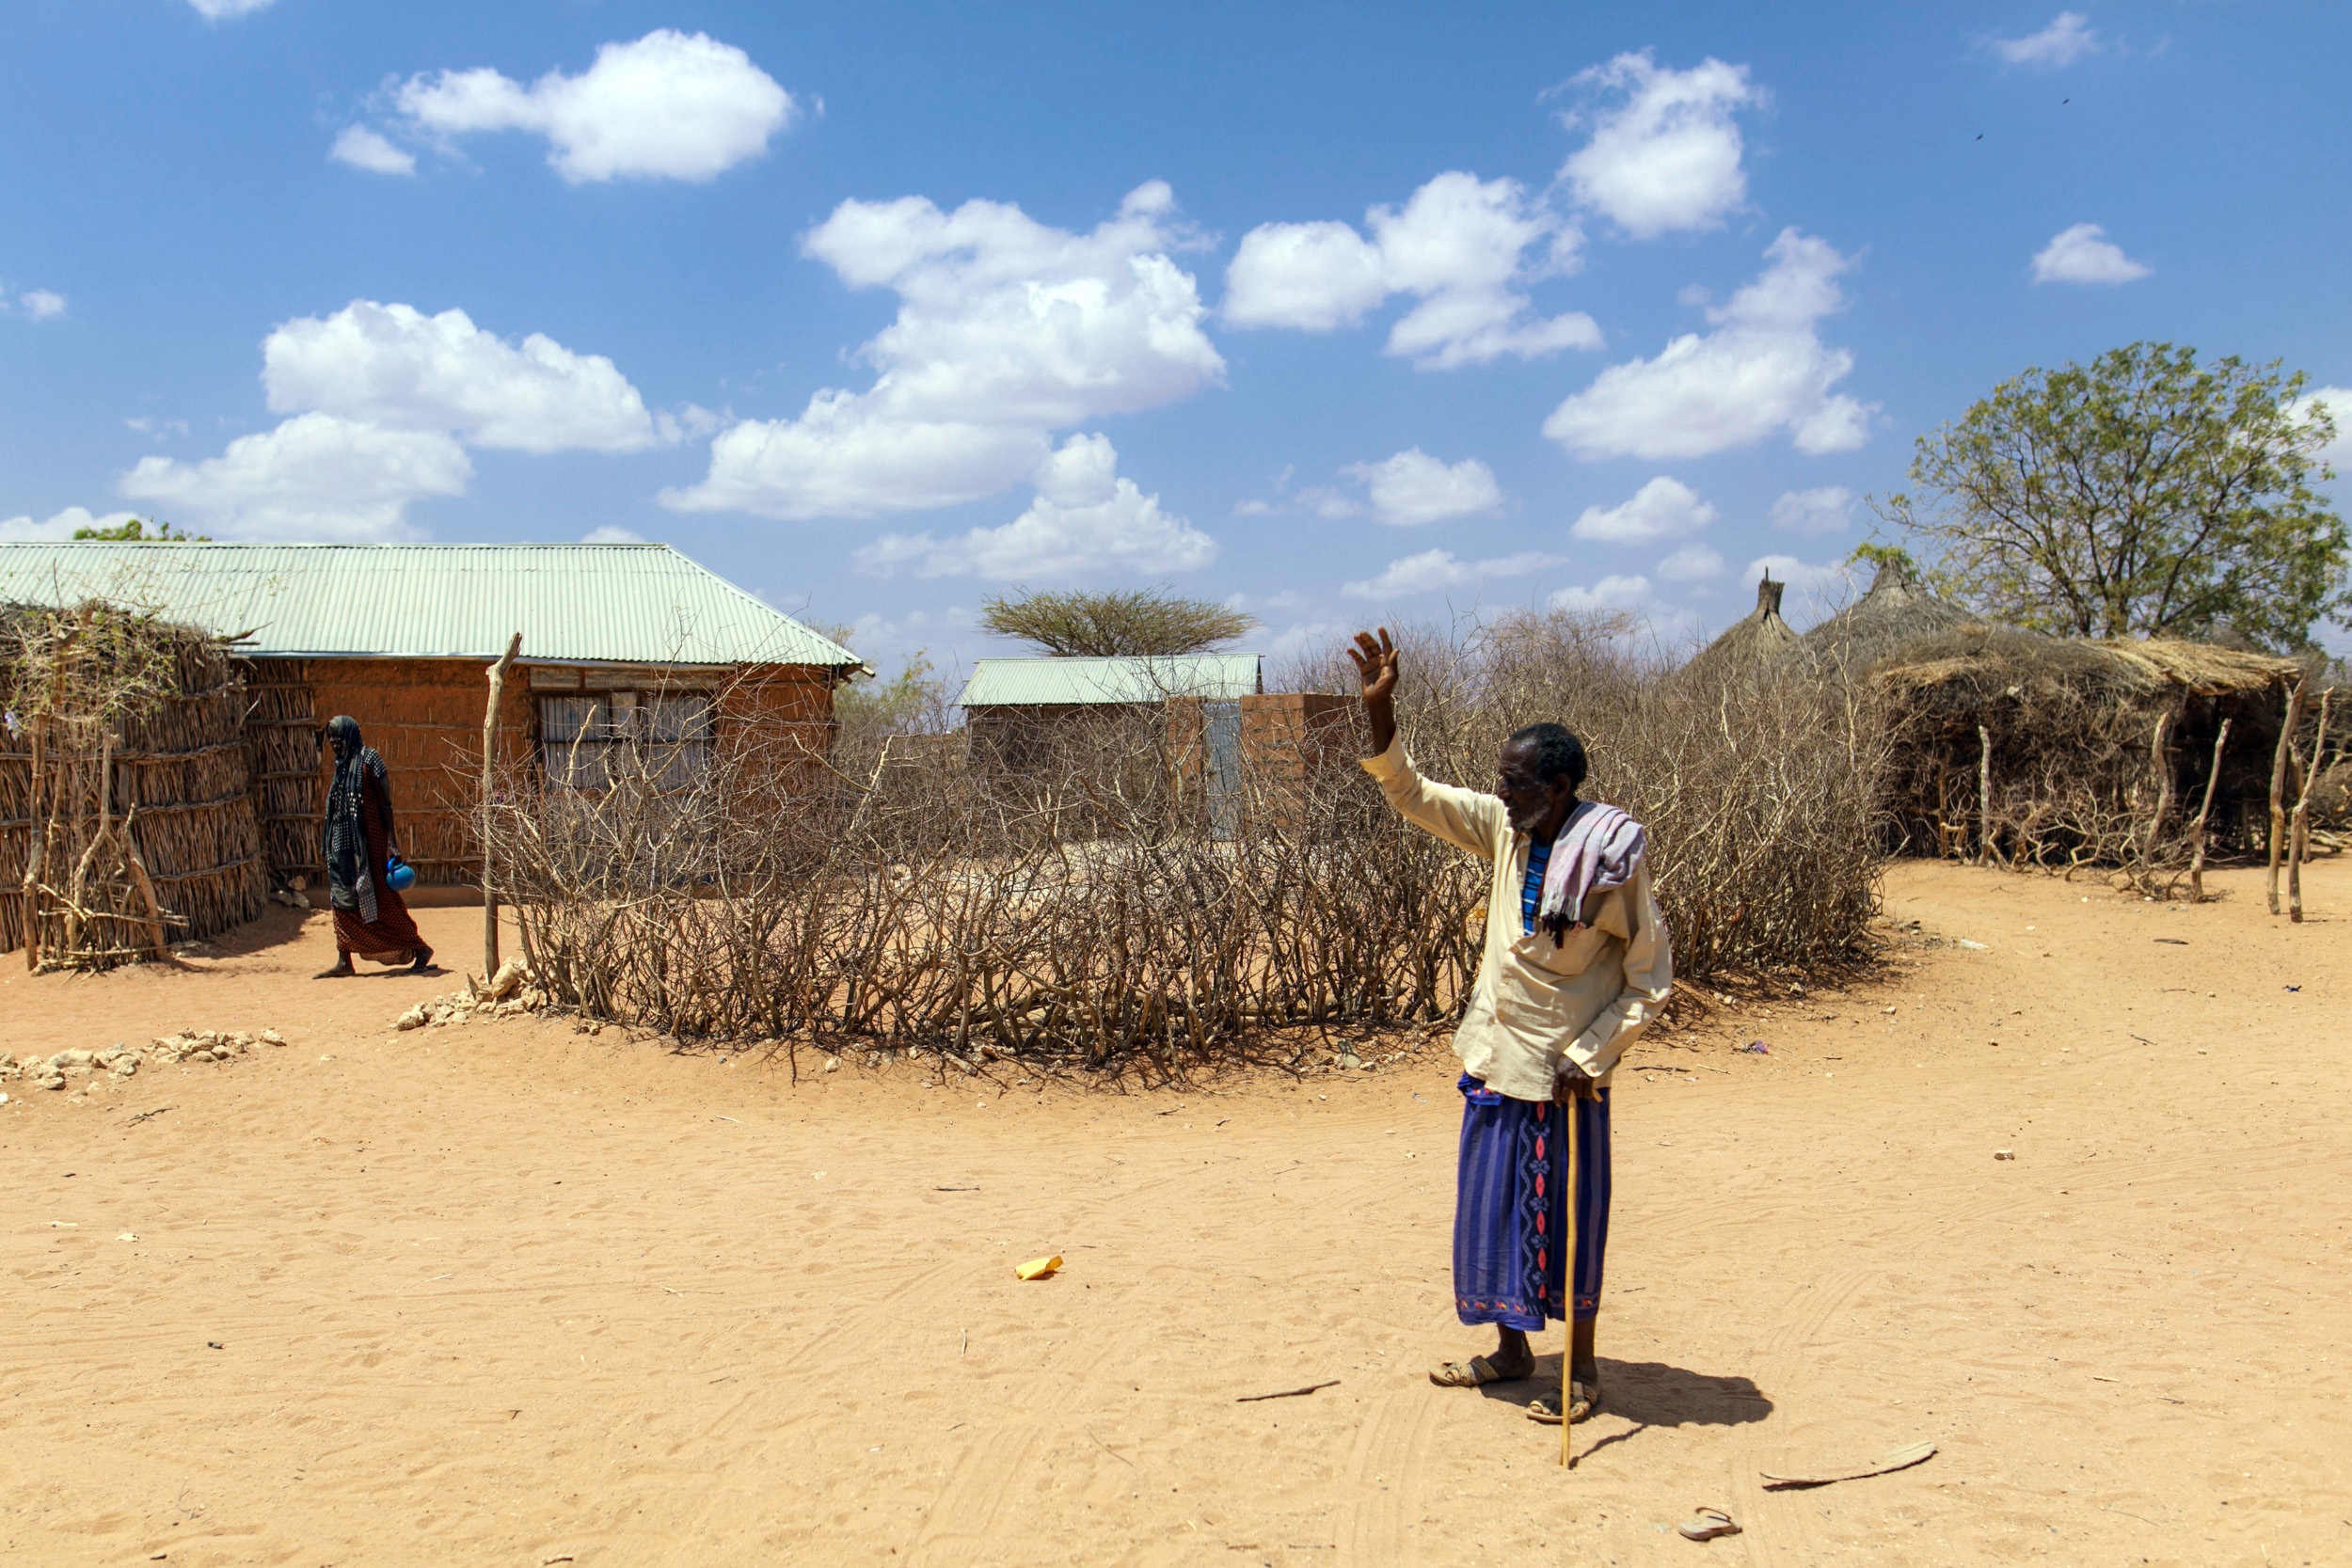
{"points": [[1984, 796], [489, 763], [2299, 830], [2279, 761], [2197, 833]]}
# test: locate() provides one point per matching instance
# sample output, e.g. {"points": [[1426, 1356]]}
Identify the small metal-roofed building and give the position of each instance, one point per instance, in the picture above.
{"points": [[1019, 711], [997, 684], [621, 645]]}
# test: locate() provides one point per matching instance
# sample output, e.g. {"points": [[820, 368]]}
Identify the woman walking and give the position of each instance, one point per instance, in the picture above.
{"points": [[356, 841]]}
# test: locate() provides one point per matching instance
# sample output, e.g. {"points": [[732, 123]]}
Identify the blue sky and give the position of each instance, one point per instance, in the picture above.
{"points": [[1344, 312]]}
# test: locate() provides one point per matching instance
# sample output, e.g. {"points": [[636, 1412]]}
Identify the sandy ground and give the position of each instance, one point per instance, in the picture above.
{"points": [[506, 1293]]}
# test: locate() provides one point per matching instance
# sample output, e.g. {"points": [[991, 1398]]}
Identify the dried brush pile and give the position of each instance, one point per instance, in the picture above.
{"points": [[126, 820], [1117, 903]]}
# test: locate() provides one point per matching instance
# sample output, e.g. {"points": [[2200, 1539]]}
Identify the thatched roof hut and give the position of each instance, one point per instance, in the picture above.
{"points": [[1896, 611], [1759, 638], [1978, 662]]}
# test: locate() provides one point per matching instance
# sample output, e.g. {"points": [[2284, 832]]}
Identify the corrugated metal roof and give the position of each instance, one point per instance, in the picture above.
{"points": [[1020, 682], [621, 604]]}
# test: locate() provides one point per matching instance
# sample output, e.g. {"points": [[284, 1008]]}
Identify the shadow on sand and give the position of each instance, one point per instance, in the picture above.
{"points": [[1649, 1394]]}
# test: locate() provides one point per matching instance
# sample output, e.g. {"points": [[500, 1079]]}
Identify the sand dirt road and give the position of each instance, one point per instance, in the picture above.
{"points": [[504, 1293]]}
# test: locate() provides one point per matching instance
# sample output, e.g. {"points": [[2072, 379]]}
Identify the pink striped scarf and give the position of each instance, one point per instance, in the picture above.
{"points": [[1599, 847]]}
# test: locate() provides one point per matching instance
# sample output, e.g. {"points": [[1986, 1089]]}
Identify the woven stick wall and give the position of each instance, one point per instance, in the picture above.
{"points": [[126, 814], [281, 731]]}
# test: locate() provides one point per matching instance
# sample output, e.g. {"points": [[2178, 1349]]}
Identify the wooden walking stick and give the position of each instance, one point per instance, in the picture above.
{"points": [[1567, 1349], [489, 763]]}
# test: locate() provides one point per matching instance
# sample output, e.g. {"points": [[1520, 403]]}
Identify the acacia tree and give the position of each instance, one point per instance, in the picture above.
{"points": [[1143, 622], [2141, 494]]}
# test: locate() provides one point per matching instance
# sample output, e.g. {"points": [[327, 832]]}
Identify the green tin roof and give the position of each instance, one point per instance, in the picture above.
{"points": [[1023, 682], [586, 604]]}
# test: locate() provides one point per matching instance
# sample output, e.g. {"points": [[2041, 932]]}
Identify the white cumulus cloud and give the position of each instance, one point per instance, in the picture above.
{"points": [[611, 533], [60, 525], [218, 10], [1691, 563], [2337, 401], [1610, 593], [1413, 488], [1086, 521], [2066, 39], [363, 148], [1816, 582], [1667, 156], [394, 366], [671, 106], [1825, 509], [316, 476], [1763, 369], [1465, 249], [1007, 331], [2084, 254], [1662, 508], [40, 303], [1433, 570]]}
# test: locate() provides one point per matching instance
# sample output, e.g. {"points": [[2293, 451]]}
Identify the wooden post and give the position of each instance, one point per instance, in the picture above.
{"points": [[156, 939], [35, 862], [2299, 836], [77, 891], [2278, 786], [2197, 829], [2164, 784], [489, 763], [1984, 796]]}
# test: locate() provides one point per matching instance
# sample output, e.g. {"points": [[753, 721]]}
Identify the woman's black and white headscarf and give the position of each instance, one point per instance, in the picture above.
{"points": [[343, 839]]}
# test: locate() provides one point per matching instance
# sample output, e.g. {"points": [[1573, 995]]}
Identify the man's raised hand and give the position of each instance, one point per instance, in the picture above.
{"points": [[1376, 665], [1375, 670]]}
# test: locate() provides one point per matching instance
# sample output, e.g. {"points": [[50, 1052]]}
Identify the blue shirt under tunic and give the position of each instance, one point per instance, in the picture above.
{"points": [[1531, 891]]}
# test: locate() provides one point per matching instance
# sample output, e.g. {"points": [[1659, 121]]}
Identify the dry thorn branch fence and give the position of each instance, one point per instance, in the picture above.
{"points": [[1111, 905]]}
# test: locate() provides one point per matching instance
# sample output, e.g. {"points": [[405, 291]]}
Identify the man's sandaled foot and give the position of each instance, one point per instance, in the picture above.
{"points": [[1476, 1372], [338, 973], [1584, 1398]]}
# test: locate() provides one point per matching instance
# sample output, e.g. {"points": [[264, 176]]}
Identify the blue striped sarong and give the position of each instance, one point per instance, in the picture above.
{"points": [[1511, 1209]]}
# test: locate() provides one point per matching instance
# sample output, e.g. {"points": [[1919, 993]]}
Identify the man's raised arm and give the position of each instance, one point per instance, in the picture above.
{"points": [[1462, 817]]}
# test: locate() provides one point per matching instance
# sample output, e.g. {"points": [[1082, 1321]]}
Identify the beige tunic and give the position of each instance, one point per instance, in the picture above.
{"points": [[1537, 1007]]}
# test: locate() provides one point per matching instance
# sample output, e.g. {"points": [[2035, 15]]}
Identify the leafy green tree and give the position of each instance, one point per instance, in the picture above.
{"points": [[2140, 494], [133, 531], [1870, 552], [913, 701], [1144, 622]]}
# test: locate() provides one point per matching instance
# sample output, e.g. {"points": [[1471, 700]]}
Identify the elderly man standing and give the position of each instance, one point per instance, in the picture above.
{"points": [[1576, 963]]}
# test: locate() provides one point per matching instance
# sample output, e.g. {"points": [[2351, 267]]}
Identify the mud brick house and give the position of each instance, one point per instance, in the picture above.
{"points": [[622, 644]]}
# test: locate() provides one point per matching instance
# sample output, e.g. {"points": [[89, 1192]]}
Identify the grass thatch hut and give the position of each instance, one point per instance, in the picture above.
{"points": [[1759, 638], [2015, 746], [1895, 612]]}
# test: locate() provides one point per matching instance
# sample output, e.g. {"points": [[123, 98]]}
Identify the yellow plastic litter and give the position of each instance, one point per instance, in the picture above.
{"points": [[1037, 1268]]}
